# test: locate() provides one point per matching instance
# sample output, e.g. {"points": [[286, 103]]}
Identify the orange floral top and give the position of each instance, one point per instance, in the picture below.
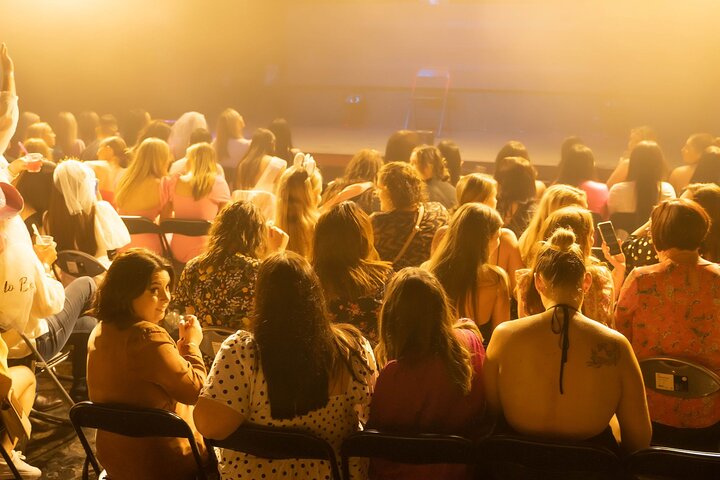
{"points": [[673, 309]]}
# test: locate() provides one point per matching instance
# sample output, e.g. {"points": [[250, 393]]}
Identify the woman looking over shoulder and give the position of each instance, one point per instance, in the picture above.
{"points": [[432, 382], [135, 362], [476, 289], [292, 369], [349, 268], [197, 195], [142, 189], [572, 392]]}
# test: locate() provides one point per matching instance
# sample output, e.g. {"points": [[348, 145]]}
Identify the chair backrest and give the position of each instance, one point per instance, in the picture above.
{"points": [[190, 228], [131, 422], [511, 455], [279, 443], [674, 463], [420, 449], [679, 377], [137, 225], [79, 264], [213, 337]]}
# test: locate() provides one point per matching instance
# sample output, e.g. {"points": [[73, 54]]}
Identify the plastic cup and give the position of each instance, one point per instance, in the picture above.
{"points": [[33, 161], [44, 239]]}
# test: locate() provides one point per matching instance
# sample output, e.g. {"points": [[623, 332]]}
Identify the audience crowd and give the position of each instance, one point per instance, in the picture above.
{"points": [[402, 296]]}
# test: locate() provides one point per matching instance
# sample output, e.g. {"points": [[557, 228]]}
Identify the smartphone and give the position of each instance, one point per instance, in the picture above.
{"points": [[608, 234]]}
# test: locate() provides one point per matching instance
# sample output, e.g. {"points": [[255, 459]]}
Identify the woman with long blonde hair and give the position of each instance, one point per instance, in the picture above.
{"points": [[197, 195], [432, 376], [67, 142], [555, 197], [298, 195], [230, 144], [142, 190], [476, 289]]}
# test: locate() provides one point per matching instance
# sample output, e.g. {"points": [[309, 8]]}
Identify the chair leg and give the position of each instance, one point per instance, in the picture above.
{"points": [[10, 464], [63, 393]]}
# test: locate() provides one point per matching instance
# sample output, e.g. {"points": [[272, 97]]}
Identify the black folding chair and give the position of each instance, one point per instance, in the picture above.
{"points": [[514, 456], [79, 264], [130, 422], [188, 228], [420, 449], [673, 463], [279, 443], [138, 225]]}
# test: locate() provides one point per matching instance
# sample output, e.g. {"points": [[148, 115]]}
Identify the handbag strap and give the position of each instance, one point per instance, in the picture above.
{"points": [[415, 230]]}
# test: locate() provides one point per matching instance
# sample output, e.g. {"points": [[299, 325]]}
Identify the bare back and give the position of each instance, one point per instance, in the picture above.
{"points": [[601, 378], [144, 197]]}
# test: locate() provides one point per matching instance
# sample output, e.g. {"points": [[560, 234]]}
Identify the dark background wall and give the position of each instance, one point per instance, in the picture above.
{"points": [[516, 66]]}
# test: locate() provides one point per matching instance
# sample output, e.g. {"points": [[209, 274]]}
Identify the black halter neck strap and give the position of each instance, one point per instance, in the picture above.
{"points": [[561, 327]]}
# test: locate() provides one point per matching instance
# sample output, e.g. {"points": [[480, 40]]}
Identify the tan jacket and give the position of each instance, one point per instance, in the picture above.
{"points": [[141, 366]]}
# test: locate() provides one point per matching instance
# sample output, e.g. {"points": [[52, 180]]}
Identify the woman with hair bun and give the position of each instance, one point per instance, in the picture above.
{"points": [[113, 158], [576, 374]]}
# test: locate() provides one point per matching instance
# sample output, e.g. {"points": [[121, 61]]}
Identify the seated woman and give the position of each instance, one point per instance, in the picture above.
{"points": [[430, 165], [292, 369], [68, 143], [230, 145], [599, 302], [406, 226], [142, 189], [350, 271], [482, 188], [707, 169], [555, 198], [432, 382], [197, 195], [218, 286], [670, 310], [259, 169], [707, 195], [298, 194], [516, 193], [691, 152], [453, 161], [574, 391], [35, 188], [637, 135], [179, 139], [515, 148], [358, 183], [644, 187], [113, 158], [77, 220], [135, 362], [476, 289], [577, 168]]}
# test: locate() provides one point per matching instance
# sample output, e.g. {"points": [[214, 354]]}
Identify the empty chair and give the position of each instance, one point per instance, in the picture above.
{"points": [[130, 422], [280, 443], [420, 449]]}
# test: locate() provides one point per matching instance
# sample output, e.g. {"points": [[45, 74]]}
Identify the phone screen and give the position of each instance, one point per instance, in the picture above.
{"points": [[608, 234]]}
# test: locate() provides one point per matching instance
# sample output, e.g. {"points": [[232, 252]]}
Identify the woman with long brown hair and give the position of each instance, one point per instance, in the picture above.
{"points": [[292, 369], [432, 378], [259, 169], [350, 270]]}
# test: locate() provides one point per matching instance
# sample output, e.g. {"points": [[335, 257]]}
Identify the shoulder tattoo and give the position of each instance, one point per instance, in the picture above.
{"points": [[604, 354]]}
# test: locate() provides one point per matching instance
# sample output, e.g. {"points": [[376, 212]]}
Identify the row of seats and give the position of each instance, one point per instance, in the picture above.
{"points": [[495, 456]]}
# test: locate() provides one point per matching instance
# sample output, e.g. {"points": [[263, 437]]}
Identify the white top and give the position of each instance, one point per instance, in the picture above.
{"points": [[110, 231], [9, 115], [622, 199], [237, 148], [274, 168], [236, 380]]}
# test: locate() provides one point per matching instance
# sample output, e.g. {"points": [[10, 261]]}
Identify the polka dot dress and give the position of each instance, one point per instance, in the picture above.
{"points": [[237, 381]]}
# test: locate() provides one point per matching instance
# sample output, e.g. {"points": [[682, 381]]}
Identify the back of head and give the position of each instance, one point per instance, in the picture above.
{"points": [[516, 180], [513, 148], [38, 130], [248, 170], [578, 220], [67, 131], [560, 261], [133, 123], [296, 212], [554, 198], [400, 145], [402, 185], [119, 148], [200, 135], [88, 122], [416, 323], [646, 168], [180, 131], [203, 169], [107, 126], [708, 166], [475, 187], [363, 167], [35, 187], [127, 278], [238, 228], [38, 145], [150, 160], [708, 197], [701, 141], [679, 224], [293, 335], [155, 129], [430, 157], [577, 165], [453, 161], [71, 213], [229, 125], [283, 138]]}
